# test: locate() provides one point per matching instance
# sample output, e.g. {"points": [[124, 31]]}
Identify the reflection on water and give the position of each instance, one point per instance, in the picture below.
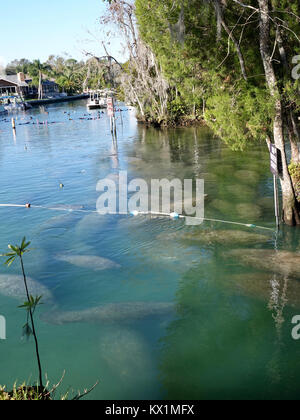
{"points": [[150, 307]]}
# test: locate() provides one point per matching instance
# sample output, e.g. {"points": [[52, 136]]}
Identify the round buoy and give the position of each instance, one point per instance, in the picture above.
{"points": [[134, 213], [174, 216]]}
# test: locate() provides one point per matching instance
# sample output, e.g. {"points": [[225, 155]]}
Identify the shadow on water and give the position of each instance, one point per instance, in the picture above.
{"points": [[230, 339]]}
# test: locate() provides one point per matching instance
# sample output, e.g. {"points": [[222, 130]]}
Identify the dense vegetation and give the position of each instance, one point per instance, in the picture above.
{"points": [[210, 55], [72, 76], [226, 63]]}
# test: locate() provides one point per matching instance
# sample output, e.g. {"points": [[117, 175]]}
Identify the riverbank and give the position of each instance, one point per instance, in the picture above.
{"points": [[183, 121], [57, 100]]}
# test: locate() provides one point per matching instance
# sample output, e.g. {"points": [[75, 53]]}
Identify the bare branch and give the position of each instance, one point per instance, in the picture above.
{"points": [[85, 393]]}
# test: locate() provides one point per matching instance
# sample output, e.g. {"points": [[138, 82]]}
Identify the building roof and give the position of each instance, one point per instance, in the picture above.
{"points": [[13, 79]]}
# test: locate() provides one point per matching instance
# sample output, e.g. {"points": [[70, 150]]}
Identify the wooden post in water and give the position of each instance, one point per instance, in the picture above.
{"points": [[111, 125], [115, 126], [111, 114], [121, 117]]}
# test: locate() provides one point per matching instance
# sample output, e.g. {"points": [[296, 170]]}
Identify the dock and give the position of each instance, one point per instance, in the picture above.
{"points": [[57, 100]]}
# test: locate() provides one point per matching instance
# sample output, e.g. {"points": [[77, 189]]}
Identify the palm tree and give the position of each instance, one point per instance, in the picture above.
{"points": [[70, 81], [38, 69]]}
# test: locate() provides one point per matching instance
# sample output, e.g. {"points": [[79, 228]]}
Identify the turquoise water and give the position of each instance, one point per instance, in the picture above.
{"points": [[181, 312]]}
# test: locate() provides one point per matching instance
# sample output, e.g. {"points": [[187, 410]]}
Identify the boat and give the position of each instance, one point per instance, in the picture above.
{"points": [[96, 101], [14, 103]]}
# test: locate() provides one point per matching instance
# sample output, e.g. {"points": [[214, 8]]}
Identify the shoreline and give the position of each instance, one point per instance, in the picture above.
{"points": [[38, 102]]}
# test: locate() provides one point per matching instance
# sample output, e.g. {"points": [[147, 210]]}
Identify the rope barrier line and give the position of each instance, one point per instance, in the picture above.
{"points": [[139, 213]]}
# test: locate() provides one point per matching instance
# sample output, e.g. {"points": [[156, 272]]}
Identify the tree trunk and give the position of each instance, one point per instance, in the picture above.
{"points": [[293, 137], [220, 17], [40, 86], [289, 205]]}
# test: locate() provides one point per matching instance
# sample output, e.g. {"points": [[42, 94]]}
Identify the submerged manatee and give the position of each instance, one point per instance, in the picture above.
{"points": [[248, 211], [91, 226], [13, 286], [62, 221], [114, 312], [247, 177], [88, 261], [219, 237], [267, 287], [283, 262], [131, 359], [224, 207]]}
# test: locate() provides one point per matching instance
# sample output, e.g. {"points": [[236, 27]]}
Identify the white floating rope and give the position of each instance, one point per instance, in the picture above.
{"points": [[181, 216], [135, 213]]}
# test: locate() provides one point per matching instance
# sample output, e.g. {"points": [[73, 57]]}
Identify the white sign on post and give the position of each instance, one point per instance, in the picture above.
{"points": [[110, 107], [2, 328]]}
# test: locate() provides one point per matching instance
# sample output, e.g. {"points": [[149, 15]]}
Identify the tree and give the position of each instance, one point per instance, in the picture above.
{"points": [[218, 67], [18, 66], [37, 70], [290, 205], [141, 78]]}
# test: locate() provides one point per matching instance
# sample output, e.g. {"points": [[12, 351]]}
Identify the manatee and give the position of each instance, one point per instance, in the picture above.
{"points": [[88, 261], [263, 285], [62, 221], [132, 222], [241, 191], [186, 204], [170, 256], [91, 225], [283, 262], [223, 206], [247, 176], [13, 286], [266, 203], [248, 211], [209, 177], [113, 312], [131, 358], [219, 237], [223, 171]]}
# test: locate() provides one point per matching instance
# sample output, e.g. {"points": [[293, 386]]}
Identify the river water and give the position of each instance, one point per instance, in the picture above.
{"points": [[169, 311]]}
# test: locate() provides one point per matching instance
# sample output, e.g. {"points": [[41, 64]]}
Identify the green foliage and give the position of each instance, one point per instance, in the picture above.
{"points": [[294, 169], [26, 392], [16, 251], [240, 115], [21, 393], [203, 69], [72, 76], [177, 107]]}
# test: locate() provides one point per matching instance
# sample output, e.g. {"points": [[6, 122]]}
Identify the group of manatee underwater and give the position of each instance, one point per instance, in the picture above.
{"points": [[234, 244]]}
